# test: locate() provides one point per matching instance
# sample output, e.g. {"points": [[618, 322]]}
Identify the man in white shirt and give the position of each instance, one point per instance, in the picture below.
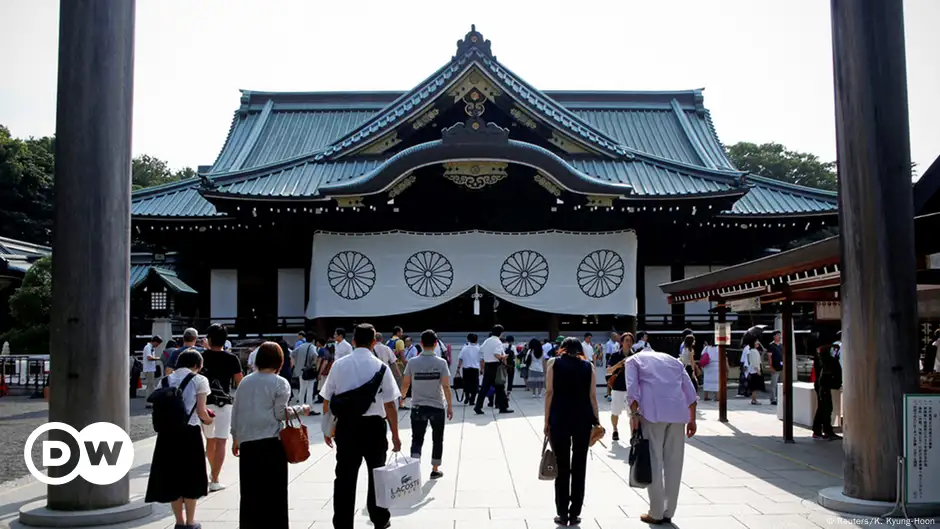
{"points": [[493, 355], [642, 342], [304, 358], [469, 364], [611, 347], [151, 355], [588, 348], [342, 346], [361, 438]]}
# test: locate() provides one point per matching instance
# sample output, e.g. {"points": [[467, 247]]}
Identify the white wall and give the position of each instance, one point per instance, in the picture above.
{"points": [[698, 307], [223, 295], [290, 292], [656, 301]]}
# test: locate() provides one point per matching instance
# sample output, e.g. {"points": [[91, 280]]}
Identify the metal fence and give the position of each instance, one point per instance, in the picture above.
{"points": [[24, 375]]}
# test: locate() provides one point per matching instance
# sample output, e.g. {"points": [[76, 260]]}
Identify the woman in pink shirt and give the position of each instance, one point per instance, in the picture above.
{"points": [[662, 406]]}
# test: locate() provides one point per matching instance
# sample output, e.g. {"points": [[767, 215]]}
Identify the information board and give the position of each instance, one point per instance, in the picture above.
{"points": [[922, 447]]}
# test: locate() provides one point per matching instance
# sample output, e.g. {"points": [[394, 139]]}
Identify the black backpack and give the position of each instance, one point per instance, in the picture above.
{"points": [[169, 412], [355, 402]]}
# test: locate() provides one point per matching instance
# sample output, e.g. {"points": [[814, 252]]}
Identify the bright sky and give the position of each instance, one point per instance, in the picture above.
{"points": [[766, 66]]}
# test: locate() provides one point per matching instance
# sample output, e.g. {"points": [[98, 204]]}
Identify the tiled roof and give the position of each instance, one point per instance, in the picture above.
{"points": [[177, 199], [301, 180], [768, 197]]}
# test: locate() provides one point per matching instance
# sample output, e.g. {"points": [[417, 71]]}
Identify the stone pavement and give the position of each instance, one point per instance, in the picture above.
{"points": [[736, 475]]}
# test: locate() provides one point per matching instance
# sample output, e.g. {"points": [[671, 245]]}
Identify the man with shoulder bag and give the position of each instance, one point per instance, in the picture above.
{"points": [[361, 393], [305, 361]]}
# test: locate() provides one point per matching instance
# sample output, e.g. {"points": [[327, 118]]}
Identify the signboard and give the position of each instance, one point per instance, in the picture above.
{"points": [[744, 305], [922, 448], [829, 310], [722, 334]]}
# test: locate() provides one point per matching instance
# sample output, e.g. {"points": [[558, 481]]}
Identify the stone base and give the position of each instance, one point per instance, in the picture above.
{"points": [[36, 514], [833, 499]]}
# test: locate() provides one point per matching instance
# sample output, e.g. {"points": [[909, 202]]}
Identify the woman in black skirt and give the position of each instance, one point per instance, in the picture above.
{"points": [[178, 470], [259, 409]]}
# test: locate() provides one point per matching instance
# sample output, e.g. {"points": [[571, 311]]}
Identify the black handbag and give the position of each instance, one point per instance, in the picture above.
{"points": [[641, 468], [308, 372]]}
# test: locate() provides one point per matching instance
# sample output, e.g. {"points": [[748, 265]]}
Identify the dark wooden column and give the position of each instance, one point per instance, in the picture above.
{"points": [[91, 239], [788, 366], [879, 303], [722, 310]]}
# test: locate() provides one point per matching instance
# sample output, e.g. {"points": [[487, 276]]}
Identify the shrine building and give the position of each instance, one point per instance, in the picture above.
{"points": [[470, 199]]}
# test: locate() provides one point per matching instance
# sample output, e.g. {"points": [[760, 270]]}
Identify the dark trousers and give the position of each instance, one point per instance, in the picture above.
{"points": [[471, 384], [743, 388], [262, 466], [691, 372], [822, 421], [510, 377], [356, 440], [571, 452], [489, 381], [420, 417], [134, 382]]}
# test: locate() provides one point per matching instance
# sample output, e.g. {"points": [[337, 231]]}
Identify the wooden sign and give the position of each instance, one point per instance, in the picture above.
{"points": [[829, 310], [745, 305], [922, 448]]}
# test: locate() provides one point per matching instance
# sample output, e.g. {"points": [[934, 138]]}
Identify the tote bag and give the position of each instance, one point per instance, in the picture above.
{"points": [[641, 470], [398, 483], [548, 467], [295, 439]]}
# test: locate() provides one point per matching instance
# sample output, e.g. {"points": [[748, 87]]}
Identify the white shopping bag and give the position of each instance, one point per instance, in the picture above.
{"points": [[398, 484]]}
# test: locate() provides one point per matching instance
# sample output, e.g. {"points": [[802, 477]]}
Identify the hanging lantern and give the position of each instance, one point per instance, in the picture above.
{"points": [[476, 301]]}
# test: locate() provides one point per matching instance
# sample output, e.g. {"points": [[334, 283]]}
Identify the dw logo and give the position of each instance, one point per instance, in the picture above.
{"points": [[105, 453]]}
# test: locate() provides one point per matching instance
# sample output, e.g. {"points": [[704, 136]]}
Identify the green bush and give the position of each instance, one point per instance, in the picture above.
{"points": [[30, 306]]}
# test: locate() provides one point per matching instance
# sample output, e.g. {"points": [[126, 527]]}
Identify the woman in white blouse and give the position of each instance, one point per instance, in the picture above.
{"points": [[178, 470]]}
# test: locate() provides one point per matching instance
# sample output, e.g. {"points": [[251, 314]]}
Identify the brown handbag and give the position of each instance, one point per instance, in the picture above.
{"points": [[295, 440], [548, 467]]}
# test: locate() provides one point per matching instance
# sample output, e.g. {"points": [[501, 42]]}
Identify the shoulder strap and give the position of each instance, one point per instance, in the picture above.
{"points": [[183, 385]]}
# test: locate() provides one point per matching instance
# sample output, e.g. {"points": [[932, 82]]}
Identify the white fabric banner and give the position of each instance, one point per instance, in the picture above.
{"points": [[383, 274]]}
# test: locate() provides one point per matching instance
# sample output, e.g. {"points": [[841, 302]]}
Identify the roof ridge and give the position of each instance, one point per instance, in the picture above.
{"points": [[228, 137], [795, 188]]}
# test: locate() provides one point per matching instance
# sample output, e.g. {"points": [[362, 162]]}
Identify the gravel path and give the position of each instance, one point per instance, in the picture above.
{"points": [[19, 416]]}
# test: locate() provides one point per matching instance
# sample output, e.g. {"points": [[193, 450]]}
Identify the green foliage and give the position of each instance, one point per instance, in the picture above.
{"points": [[148, 171], [30, 306], [774, 160], [27, 169]]}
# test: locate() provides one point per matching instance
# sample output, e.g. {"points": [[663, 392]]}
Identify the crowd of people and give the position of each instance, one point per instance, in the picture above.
{"points": [[362, 385]]}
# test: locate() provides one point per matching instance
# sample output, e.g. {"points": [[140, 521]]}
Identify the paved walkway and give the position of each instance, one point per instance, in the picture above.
{"points": [[736, 475]]}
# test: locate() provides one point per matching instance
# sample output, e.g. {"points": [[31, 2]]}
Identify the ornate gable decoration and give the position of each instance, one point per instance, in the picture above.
{"points": [[475, 175], [474, 39], [475, 131]]}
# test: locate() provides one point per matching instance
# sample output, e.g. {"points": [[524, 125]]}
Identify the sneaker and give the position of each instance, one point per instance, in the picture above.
{"points": [[478, 411], [216, 487], [616, 436], [755, 402], [507, 410], [437, 474], [773, 403]]}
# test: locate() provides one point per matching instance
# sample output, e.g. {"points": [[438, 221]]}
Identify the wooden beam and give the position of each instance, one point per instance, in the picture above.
{"points": [[722, 370], [788, 366], [876, 212]]}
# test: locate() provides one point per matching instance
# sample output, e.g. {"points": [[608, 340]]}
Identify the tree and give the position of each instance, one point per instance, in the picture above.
{"points": [[774, 160], [149, 171], [27, 170], [30, 306]]}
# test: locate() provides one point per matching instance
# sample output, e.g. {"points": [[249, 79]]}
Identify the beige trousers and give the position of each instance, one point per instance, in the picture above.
{"points": [[150, 380], [667, 451]]}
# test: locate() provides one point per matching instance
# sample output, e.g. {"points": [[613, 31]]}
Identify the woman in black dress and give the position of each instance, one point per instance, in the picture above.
{"points": [[570, 413], [178, 470]]}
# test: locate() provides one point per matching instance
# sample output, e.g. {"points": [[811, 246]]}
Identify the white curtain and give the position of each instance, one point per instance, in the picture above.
{"points": [[382, 274]]}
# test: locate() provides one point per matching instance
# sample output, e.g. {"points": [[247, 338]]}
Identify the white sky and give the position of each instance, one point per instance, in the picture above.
{"points": [[766, 65]]}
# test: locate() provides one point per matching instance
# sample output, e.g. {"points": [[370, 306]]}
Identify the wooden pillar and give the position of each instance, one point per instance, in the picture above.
{"points": [[788, 366], [722, 309], [879, 303], [554, 326], [91, 264]]}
